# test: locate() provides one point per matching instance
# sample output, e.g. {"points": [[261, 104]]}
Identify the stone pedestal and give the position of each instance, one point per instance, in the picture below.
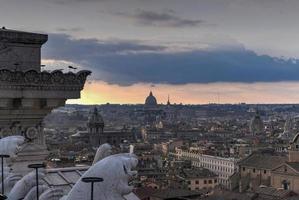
{"points": [[29, 153], [20, 51]]}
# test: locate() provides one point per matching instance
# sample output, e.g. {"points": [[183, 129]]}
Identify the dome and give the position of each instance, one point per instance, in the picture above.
{"points": [[256, 125], [151, 100], [95, 118]]}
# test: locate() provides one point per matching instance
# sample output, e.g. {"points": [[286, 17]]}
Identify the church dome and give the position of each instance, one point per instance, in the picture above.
{"points": [[256, 125], [151, 100], [95, 118]]}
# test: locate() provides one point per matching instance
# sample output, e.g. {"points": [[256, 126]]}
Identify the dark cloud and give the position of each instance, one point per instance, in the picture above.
{"points": [[65, 2], [167, 18], [68, 30], [125, 62], [81, 49]]}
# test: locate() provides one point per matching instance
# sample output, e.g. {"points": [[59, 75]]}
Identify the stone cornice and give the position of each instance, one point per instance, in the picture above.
{"points": [[12, 36], [35, 80]]}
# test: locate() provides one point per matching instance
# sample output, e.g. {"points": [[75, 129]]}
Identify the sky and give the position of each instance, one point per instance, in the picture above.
{"points": [[195, 51]]}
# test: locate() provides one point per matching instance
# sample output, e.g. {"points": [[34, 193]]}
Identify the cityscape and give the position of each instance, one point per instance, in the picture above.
{"points": [[149, 100]]}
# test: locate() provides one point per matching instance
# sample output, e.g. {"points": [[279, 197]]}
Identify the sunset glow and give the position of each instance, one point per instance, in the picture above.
{"points": [[99, 92]]}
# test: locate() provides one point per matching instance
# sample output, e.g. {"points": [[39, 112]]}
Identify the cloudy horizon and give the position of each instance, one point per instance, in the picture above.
{"points": [[195, 51]]}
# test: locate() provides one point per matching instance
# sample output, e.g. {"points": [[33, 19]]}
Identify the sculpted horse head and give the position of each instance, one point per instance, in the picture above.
{"points": [[116, 170]]}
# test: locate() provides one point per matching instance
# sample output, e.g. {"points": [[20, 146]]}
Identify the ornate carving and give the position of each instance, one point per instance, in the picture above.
{"points": [[31, 76], [45, 77], [5, 75], [34, 78], [31, 133], [5, 132], [58, 77]]}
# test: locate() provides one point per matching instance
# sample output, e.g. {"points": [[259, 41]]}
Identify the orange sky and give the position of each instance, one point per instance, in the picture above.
{"points": [[98, 92]]}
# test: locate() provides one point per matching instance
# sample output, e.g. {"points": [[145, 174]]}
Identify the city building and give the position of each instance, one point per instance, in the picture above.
{"points": [[256, 125], [255, 170], [286, 175], [151, 100], [223, 167], [95, 135], [198, 178], [95, 128]]}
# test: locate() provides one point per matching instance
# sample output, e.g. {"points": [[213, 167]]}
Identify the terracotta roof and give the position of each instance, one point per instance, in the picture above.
{"points": [[294, 165], [197, 173], [175, 193], [263, 161], [144, 192], [272, 193]]}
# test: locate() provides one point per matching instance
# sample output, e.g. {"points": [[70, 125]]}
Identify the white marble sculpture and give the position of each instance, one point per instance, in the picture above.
{"points": [[18, 187], [23, 186], [11, 144], [103, 151], [116, 170]]}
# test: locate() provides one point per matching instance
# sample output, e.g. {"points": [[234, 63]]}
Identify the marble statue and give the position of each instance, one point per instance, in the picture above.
{"points": [[116, 170], [103, 151], [23, 186], [11, 144], [25, 189]]}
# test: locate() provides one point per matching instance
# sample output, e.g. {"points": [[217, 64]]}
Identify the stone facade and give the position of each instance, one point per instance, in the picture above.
{"points": [[20, 51], [255, 170], [294, 150], [28, 94], [199, 178], [286, 177]]}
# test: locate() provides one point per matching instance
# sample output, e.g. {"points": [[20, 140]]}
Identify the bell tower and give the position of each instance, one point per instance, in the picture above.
{"points": [[95, 127]]}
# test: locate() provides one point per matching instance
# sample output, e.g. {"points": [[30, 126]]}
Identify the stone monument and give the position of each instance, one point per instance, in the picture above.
{"points": [[28, 94]]}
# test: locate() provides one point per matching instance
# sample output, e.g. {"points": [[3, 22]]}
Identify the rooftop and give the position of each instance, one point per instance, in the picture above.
{"points": [[175, 193], [197, 173], [263, 160], [294, 165]]}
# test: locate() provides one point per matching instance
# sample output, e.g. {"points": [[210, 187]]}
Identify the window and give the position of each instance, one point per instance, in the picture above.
{"points": [[196, 182], [210, 181], [205, 181], [243, 169], [17, 103], [215, 181], [43, 103], [285, 185], [253, 170], [265, 171]]}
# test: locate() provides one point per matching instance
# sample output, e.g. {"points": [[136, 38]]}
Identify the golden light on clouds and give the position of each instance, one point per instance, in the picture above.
{"points": [[98, 92]]}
